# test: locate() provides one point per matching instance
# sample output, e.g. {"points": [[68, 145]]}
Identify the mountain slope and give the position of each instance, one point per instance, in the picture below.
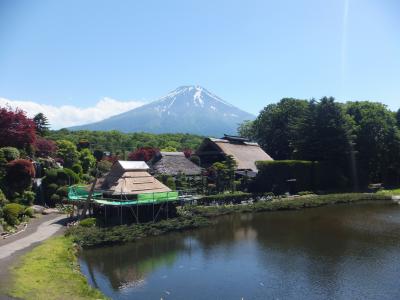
{"points": [[188, 109]]}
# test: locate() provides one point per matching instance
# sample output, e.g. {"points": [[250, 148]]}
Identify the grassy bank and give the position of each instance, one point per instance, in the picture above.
{"points": [[395, 192], [294, 203], [198, 216], [50, 271]]}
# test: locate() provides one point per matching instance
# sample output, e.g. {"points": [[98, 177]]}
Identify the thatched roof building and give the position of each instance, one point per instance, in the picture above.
{"points": [[244, 152], [130, 178], [173, 163]]}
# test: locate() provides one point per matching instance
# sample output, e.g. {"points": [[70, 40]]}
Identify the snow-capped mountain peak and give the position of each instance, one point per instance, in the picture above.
{"points": [[192, 96], [187, 109]]}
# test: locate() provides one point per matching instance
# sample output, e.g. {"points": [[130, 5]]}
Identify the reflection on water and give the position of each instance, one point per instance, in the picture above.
{"points": [[343, 251]]}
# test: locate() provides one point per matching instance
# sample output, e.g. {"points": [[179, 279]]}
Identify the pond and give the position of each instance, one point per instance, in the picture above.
{"points": [[336, 252]]}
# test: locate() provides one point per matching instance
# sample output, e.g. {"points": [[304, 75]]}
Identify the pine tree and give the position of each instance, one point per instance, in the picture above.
{"points": [[41, 123]]}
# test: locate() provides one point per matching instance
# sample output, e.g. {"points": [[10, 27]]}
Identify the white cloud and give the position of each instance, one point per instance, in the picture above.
{"points": [[68, 115]]}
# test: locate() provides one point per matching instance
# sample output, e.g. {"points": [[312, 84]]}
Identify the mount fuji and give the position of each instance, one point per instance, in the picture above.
{"points": [[187, 109]]}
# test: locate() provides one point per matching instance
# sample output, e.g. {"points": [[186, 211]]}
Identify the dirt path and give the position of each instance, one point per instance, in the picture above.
{"points": [[13, 247]]}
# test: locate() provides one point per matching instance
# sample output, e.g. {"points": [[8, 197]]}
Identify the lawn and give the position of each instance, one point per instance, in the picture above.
{"points": [[395, 192], [50, 271]]}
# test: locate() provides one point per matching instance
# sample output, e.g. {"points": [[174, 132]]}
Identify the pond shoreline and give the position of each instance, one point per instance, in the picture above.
{"points": [[282, 254], [191, 217]]}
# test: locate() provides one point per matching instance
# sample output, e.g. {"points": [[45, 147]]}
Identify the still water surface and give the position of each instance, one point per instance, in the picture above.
{"points": [[334, 252]]}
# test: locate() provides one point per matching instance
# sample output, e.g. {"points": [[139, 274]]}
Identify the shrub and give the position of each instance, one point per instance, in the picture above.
{"points": [[104, 166], [55, 198], [170, 182], [87, 178], [89, 222], [1, 213], [304, 193], [236, 197], [27, 198], [77, 168], [29, 212], [12, 213], [3, 199], [52, 188], [60, 177], [69, 176], [10, 153], [62, 191]]}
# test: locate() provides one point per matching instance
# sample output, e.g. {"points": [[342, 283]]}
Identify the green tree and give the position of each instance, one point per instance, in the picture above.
{"points": [[231, 166], [398, 118], [169, 149], [275, 127], [246, 130], [67, 152], [377, 141], [324, 133], [87, 159], [41, 123], [225, 174]]}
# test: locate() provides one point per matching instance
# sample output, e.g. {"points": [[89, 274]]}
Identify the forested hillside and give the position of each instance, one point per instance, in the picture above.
{"points": [[118, 142]]}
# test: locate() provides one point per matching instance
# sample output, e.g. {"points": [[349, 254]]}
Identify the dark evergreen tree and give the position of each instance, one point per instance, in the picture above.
{"points": [[324, 134], [41, 123], [398, 118]]}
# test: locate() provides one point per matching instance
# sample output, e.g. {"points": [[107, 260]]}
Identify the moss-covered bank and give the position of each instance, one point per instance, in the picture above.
{"points": [[50, 271], [198, 216]]}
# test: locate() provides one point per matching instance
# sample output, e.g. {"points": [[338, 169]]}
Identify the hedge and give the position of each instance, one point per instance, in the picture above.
{"points": [[274, 176], [225, 198]]}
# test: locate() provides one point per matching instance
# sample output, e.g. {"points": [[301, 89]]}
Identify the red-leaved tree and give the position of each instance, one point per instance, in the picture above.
{"points": [[187, 152], [19, 174], [45, 147], [143, 154], [16, 129]]}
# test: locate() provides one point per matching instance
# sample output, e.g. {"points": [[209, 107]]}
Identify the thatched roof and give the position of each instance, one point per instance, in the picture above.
{"points": [[130, 178], [173, 163], [244, 152]]}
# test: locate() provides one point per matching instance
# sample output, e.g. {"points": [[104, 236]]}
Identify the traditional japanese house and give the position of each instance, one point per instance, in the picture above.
{"points": [[172, 164], [243, 151]]}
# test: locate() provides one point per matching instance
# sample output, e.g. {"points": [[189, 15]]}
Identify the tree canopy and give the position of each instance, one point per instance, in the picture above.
{"points": [[16, 129], [362, 139]]}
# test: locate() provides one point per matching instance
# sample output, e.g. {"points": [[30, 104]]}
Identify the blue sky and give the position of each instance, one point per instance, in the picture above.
{"points": [[90, 55]]}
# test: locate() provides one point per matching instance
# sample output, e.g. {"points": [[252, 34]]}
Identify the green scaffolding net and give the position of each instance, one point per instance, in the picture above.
{"points": [[79, 193]]}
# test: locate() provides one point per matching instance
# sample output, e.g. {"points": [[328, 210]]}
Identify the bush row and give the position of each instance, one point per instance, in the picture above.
{"points": [[291, 203], [89, 236], [233, 198]]}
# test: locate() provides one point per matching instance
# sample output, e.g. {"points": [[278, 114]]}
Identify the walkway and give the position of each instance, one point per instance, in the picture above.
{"points": [[43, 231], [14, 246]]}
